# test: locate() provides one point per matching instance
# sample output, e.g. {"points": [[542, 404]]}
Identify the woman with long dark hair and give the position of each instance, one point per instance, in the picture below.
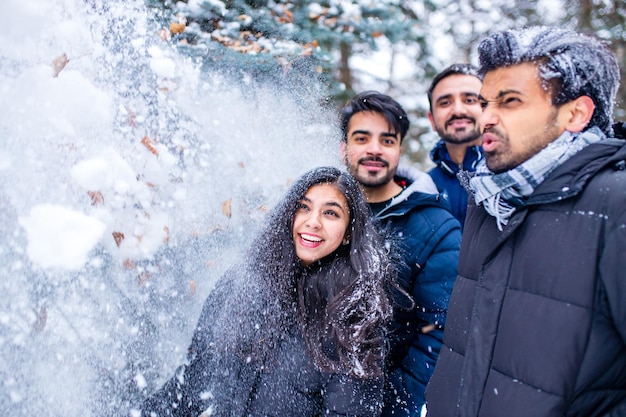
{"points": [[297, 328]]}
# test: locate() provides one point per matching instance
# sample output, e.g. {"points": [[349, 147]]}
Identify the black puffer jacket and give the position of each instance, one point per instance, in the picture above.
{"points": [[282, 381], [537, 319]]}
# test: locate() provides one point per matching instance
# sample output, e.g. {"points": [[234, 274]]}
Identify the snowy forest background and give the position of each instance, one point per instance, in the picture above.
{"points": [[143, 142]]}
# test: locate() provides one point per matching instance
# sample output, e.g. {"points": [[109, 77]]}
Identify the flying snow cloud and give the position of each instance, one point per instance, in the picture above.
{"points": [[131, 177]]}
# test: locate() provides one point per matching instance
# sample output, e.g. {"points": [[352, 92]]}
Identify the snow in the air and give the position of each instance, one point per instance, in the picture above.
{"points": [[130, 179]]}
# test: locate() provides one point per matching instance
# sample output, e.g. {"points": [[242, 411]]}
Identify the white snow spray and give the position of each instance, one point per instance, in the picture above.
{"points": [[130, 179]]}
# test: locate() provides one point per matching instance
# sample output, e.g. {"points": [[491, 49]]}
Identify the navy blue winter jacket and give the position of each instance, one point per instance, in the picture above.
{"points": [[430, 238], [444, 176]]}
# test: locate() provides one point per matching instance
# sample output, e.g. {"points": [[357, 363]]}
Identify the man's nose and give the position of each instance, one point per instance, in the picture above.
{"points": [[374, 147], [488, 118]]}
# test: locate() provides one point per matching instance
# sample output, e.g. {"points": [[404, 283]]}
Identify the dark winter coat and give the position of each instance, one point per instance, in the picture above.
{"points": [[444, 176], [537, 320], [280, 381], [430, 237]]}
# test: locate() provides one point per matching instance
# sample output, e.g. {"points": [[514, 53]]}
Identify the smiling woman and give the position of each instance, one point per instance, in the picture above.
{"points": [[320, 223], [297, 327]]}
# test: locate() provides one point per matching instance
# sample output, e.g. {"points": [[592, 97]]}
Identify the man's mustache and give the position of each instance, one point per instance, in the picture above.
{"points": [[374, 159], [453, 118]]}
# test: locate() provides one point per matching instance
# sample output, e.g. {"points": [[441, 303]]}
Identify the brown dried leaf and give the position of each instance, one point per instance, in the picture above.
{"points": [[96, 197], [167, 234], [227, 207], [285, 17], [118, 236], [176, 28], [264, 208], [192, 287], [131, 118], [143, 277], [59, 63], [129, 264], [145, 141]]}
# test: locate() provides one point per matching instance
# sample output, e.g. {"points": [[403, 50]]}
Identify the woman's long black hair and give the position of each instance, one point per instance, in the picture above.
{"points": [[341, 301]]}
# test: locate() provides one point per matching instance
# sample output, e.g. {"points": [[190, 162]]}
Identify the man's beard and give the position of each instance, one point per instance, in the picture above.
{"points": [[505, 160], [465, 137], [371, 181], [468, 137]]}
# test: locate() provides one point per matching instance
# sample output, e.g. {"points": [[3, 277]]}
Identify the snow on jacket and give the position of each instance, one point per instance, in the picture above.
{"points": [[429, 237], [537, 319], [444, 175], [283, 382]]}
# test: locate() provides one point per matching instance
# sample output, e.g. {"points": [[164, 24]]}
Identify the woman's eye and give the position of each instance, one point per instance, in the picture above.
{"points": [[331, 213]]}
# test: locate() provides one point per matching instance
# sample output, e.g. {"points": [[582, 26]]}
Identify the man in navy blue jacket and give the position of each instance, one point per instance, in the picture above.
{"points": [[454, 112], [405, 202]]}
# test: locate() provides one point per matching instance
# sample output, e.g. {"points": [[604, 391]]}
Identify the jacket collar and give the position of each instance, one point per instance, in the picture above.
{"points": [[570, 178], [420, 191], [441, 157]]}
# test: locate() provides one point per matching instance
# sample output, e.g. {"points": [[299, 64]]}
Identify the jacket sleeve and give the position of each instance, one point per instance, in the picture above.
{"points": [[350, 396], [435, 270], [612, 267]]}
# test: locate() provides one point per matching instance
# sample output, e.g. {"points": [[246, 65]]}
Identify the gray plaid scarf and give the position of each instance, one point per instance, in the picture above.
{"points": [[501, 194]]}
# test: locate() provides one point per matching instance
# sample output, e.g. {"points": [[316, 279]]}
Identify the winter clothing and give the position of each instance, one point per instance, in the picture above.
{"points": [[501, 194], [619, 130], [282, 339], [430, 237], [445, 176], [282, 381], [537, 319]]}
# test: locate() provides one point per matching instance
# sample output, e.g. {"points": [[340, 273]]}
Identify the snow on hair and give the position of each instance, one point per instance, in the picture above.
{"points": [[571, 64]]}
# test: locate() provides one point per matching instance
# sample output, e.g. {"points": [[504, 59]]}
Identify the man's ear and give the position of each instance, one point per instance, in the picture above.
{"points": [[343, 151], [432, 120], [579, 113]]}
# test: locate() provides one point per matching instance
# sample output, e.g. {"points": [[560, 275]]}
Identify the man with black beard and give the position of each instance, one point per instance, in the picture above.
{"points": [[454, 111], [404, 202], [536, 324]]}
